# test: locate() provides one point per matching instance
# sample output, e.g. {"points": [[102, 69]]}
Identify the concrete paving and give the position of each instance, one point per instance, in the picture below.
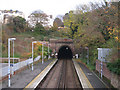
{"points": [[3, 65], [23, 78], [93, 79], [83, 79], [34, 83]]}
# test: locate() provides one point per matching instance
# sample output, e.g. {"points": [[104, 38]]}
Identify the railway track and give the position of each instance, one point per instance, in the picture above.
{"points": [[62, 75]]}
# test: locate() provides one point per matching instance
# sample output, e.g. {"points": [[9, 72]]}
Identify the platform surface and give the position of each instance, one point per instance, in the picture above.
{"points": [[23, 78], [33, 84], [92, 78], [82, 77]]}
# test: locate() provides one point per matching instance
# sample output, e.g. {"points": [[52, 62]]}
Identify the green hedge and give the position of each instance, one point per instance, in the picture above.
{"points": [[114, 67]]}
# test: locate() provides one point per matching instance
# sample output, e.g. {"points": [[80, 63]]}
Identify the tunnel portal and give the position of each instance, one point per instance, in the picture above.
{"points": [[65, 53]]}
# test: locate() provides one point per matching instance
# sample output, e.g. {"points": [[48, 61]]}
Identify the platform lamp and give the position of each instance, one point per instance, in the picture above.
{"points": [[48, 50], [13, 58], [43, 52], [10, 39], [87, 54], [33, 52]]}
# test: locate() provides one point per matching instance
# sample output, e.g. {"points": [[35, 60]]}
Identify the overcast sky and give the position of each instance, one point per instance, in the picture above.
{"points": [[50, 7]]}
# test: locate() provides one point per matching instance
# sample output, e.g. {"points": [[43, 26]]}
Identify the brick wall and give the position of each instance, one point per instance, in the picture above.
{"points": [[106, 71], [115, 80]]}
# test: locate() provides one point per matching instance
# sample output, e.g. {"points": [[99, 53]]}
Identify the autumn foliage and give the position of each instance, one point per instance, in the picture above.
{"points": [[94, 26], [38, 50]]}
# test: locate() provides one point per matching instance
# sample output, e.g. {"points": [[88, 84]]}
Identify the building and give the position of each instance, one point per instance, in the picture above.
{"points": [[7, 15]]}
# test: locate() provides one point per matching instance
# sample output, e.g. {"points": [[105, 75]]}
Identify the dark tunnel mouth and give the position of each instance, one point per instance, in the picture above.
{"points": [[65, 52]]}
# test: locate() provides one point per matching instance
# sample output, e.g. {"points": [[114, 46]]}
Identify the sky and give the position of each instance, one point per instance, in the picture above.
{"points": [[50, 7]]}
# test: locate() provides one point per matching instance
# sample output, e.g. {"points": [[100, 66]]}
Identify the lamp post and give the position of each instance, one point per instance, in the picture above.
{"points": [[87, 54], [33, 52], [101, 63], [48, 51], [42, 53], [9, 39], [13, 57]]}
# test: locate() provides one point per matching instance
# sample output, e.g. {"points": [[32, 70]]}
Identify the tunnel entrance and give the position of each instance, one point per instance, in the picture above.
{"points": [[65, 53]]}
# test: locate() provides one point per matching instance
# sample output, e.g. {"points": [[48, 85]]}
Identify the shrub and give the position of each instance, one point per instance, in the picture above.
{"points": [[114, 67]]}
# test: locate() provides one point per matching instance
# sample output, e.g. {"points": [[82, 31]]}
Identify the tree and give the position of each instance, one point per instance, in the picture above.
{"points": [[99, 19], [93, 27], [69, 22], [39, 29], [58, 23], [19, 24], [38, 16], [38, 50]]}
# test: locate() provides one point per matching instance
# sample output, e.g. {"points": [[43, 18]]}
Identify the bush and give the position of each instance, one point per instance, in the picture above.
{"points": [[114, 67]]}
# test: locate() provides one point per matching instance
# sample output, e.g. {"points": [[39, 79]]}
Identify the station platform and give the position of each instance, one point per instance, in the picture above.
{"points": [[23, 78], [92, 78], [33, 84], [82, 77], [87, 78]]}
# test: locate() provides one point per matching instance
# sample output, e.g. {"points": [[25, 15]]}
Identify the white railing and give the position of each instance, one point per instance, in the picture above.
{"points": [[18, 65]]}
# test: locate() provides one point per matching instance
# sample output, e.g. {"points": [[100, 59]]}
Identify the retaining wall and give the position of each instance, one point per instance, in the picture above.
{"points": [[115, 79]]}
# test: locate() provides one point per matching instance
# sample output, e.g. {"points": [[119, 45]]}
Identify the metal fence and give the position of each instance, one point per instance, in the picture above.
{"points": [[17, 66]]}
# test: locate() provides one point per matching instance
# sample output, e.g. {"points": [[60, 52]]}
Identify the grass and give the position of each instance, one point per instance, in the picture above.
{"points": [[24, 39], [16, 55], [38, 37], [4, 55], [90, 65], [10, 62]]}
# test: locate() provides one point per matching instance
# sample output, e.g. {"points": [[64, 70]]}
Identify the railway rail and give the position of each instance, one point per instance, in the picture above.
{"points": [[62, 75]]}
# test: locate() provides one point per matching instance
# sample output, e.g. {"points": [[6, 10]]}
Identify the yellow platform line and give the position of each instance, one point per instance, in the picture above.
{"points": [[86, 79], [94, 74], [37, 76]]}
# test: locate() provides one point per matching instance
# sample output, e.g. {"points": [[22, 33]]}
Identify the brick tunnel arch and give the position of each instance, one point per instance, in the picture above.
{"points": [[65, 52]]}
